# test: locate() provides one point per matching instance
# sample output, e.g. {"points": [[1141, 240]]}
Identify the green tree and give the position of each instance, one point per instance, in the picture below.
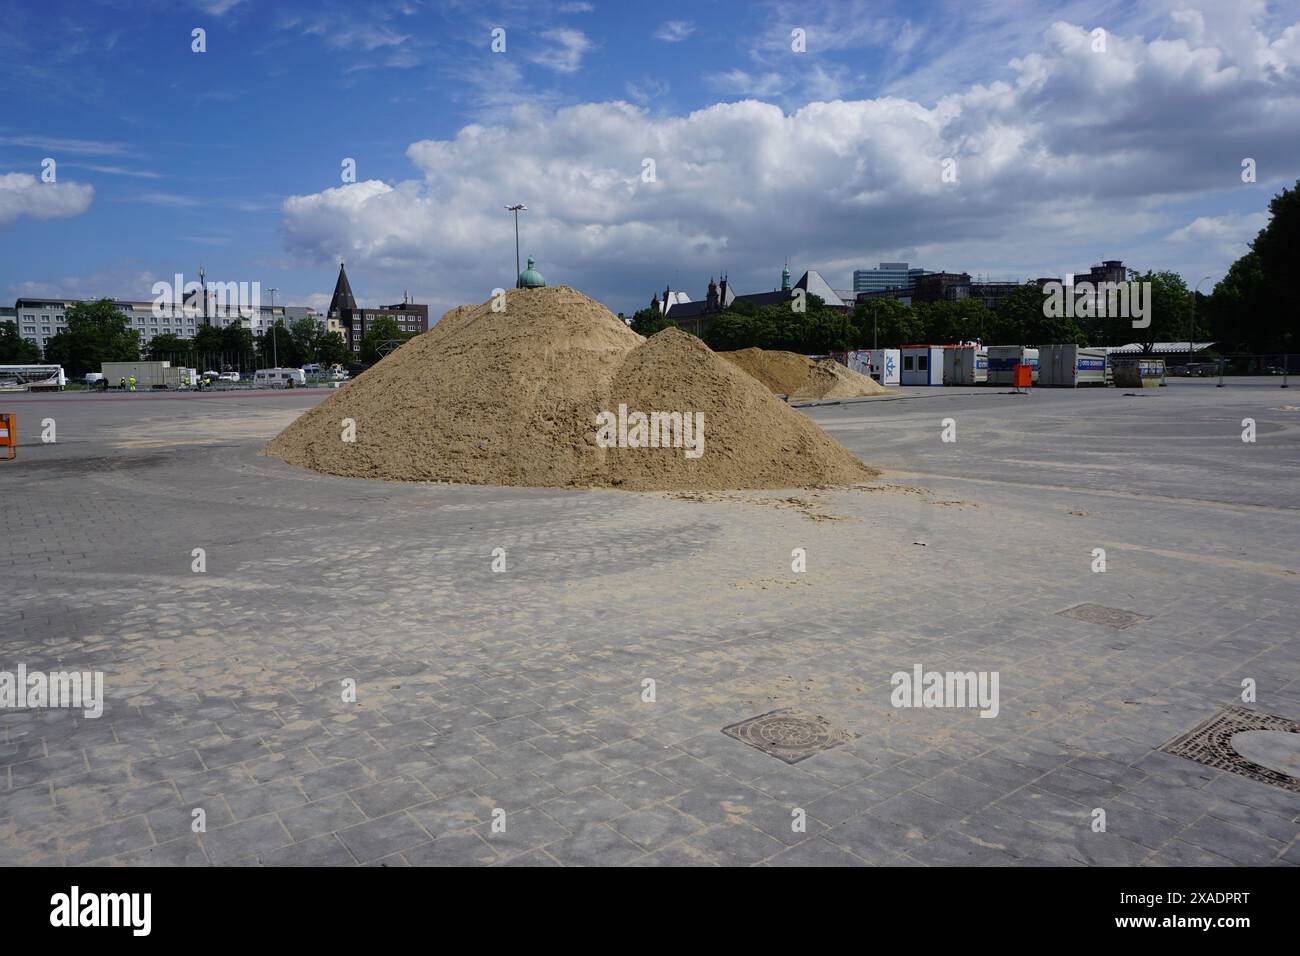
{"points": [[237, 348], [1253, 307], [1172, 311], [888, 322], [170, 348], [1021, 319], [333, 350], [16, 350], [97, 333], [828, 331], [276, 346], [730, 331], [649, 321], [306, 334], [207, 348], [381, 331]]}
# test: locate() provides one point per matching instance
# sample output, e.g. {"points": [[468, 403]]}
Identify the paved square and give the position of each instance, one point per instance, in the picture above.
{"points": [[346, 680]]}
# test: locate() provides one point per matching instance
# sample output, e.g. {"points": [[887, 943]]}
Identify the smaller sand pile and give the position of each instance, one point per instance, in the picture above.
{"points": [[828, 379], [782, 372], [801, 379]]}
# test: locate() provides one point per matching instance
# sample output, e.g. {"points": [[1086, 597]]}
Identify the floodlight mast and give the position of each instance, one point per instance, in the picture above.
{"points": [[517, 208]]}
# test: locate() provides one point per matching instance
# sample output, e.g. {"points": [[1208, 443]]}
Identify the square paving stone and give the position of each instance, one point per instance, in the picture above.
{"points": [[594, 844], [245, 840], [376, 838], [652, 827], [324, 850], [453, 848], [524, 830], [107, 840], [323, 816]]}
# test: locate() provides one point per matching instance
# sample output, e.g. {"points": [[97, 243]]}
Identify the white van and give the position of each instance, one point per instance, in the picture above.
{"points": [[279, 377]]}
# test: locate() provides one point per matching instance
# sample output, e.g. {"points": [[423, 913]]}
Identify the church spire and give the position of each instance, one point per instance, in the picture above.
{"points": [[343, 300]]}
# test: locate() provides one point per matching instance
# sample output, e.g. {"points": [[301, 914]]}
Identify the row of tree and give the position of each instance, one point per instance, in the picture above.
{"points": [[1252, 310], [97, 333], [1019, 318]]}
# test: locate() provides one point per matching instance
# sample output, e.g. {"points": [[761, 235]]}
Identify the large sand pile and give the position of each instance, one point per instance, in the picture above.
{"points": [[800, 378], [511, 398]]}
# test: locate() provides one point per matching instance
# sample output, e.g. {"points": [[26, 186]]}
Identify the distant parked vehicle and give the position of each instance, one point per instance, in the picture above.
{"points": [[228, 377], [279, 377], [1274, 370]]}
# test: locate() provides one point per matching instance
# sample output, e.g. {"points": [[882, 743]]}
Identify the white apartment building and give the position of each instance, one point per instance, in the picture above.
{"points": [[39, 320]]}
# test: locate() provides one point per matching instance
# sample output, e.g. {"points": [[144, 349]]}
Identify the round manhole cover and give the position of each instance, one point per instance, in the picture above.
{"points": [[788, 734], [1278, 750]]}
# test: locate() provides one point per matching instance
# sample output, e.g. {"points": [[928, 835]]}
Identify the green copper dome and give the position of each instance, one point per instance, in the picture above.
{"points": [[530, 278]]}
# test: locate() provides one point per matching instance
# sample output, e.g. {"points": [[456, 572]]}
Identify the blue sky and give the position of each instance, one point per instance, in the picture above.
{"points": [[830, 157]]}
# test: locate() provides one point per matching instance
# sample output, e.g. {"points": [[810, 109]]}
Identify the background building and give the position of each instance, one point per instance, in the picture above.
{"points": [[698, 315], [354, 321], [889, 275], [39, 320]]}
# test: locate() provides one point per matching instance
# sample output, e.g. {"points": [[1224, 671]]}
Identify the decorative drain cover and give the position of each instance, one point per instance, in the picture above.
{"points": [[1215, 742], [788, 734], [1100, 614]]}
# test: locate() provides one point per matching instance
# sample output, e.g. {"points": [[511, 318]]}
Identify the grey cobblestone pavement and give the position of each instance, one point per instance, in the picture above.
{"points": [[483, 694]]}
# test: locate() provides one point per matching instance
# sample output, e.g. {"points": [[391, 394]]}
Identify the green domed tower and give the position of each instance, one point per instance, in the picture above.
{"points": [[530, 278], [785, 279]]}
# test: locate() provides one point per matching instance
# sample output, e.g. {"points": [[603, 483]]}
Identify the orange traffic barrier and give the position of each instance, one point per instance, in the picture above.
{"points": [[9, 435], [1022, 376]]}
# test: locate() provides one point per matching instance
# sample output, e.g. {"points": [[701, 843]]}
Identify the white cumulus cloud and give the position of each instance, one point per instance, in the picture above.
{"points": [[22, 194], [1079, 156]]}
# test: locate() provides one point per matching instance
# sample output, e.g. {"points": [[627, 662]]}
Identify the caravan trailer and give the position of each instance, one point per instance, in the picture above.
{"points": [[279, 378], [922, 365]]}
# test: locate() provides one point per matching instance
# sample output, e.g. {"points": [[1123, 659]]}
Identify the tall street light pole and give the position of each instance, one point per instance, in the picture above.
{"points": [[275, 343], [517, 208]]}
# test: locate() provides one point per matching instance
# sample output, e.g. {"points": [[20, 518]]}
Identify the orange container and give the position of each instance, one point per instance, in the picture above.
{"points": [[1022, 376], [9, 435]]}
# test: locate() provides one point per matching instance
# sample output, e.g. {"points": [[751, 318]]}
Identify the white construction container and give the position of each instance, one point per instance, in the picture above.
{"points": [[35, 378], [922, 365], [147, 374], [965, 365], [881, 364], [1069, 366], [1004, 358], [1137, 371]]}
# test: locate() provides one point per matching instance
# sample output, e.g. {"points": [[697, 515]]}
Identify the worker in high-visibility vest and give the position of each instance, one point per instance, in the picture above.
{"points": [[130, 383]]}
